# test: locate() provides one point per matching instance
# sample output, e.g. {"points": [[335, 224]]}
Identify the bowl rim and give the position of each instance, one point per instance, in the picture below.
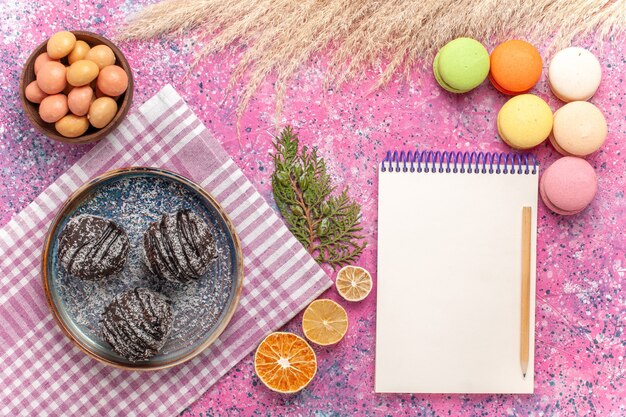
{"points": [[74, 199], [124, 105]]}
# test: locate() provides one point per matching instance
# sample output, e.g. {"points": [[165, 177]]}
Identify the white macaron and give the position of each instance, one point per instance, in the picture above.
{"points": [[574, 74]]}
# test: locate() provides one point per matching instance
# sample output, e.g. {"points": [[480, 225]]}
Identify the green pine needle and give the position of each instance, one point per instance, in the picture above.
{"points": [[328, 225]]}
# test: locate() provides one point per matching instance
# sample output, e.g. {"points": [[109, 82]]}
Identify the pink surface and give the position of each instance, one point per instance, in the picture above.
{"points": [[581, 260]]}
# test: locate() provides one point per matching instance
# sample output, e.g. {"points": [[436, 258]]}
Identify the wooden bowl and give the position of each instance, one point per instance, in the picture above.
{"points": [[92, 134]]}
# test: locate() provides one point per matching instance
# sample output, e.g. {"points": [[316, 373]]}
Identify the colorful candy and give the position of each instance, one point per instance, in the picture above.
{"points": [[524, 121], [461, 65], [81, 94]]}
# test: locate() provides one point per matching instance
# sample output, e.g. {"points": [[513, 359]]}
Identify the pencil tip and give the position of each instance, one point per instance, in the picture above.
{"points": [[524, 375]]}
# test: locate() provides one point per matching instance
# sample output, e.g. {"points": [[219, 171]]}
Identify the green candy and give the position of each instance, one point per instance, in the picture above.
{"points": [[461, 65]]}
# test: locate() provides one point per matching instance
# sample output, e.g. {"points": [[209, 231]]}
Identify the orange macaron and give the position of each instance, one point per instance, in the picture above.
{"points": [[515, 67]]}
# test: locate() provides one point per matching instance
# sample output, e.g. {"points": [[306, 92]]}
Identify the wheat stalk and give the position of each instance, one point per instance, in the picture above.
{"points": [[281, 35]]}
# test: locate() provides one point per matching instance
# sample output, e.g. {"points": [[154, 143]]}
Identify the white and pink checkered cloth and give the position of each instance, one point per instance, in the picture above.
{"points": [[42, 373]]}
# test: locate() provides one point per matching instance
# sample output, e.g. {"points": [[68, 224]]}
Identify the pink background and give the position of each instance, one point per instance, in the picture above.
{"points": [[581, 305]]}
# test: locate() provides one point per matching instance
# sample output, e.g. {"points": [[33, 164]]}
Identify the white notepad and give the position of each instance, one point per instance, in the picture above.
{"points": [[449, 273]]}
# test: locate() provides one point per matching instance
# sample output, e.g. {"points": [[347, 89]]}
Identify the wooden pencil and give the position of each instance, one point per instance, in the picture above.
{"points": [[525, 319]]}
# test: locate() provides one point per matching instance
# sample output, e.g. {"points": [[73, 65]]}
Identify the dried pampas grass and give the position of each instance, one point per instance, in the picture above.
{"points": [[281, 35]]}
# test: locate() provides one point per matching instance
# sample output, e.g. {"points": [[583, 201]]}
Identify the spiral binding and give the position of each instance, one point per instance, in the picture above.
{"points": [[463, 162]]}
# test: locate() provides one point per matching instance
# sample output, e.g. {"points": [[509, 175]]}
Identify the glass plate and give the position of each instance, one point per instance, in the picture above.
{"points": [[134, 198]]}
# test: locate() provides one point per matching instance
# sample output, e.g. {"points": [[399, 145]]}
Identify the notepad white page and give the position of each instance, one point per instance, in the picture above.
{"points": [[449, 282]]}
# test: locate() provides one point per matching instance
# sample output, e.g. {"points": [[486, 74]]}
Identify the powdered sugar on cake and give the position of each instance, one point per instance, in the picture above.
{"points": [[179, 247], [91, 247]]}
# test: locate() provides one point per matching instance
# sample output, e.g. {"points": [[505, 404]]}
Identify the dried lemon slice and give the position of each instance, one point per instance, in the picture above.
{"points": [[324, 322], [285, 362], [353, 283]]}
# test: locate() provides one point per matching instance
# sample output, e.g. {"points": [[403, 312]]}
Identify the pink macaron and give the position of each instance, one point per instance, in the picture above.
{"points": [[568, 185]]}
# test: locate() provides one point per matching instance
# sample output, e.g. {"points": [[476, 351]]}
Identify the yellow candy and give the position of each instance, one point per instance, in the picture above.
{"points": [[102, 111], [80, 50], [102, 55], [524, 121], [60, 44], [82, 72], [72, 126]]}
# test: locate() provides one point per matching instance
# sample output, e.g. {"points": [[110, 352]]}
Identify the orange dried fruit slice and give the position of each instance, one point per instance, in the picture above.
{"points": [[353, 283], [285, 362], [324, 322]]}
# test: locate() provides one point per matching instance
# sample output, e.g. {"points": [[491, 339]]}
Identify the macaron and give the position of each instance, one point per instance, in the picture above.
{"points": [[524, 121], [461, 65], [574, 74], [568, 185], [515, 67], [579, 129]]}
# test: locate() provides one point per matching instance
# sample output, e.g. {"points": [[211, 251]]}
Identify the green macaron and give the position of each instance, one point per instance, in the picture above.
{"points": [[461, 65]]}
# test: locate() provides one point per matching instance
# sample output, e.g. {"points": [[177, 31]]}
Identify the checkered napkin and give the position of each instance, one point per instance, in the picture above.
{"points": [[42, 373]]}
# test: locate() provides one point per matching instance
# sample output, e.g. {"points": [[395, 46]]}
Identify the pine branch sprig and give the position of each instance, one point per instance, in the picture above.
{"points": [[327, 225]]}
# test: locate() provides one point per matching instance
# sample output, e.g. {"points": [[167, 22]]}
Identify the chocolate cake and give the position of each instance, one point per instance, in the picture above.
{"points": [[179, 247], [91, 247], [136, 323]]}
